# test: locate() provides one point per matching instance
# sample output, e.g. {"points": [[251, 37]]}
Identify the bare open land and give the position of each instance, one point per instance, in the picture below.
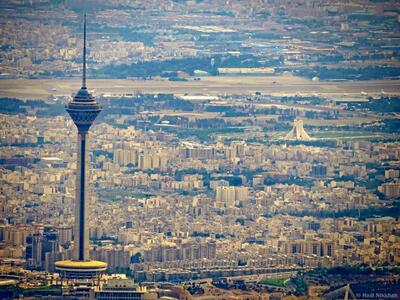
{"points": [[212, 85]]}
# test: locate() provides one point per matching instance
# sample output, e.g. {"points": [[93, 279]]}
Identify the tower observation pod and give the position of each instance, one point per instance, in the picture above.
{"points": [[83, 110]]}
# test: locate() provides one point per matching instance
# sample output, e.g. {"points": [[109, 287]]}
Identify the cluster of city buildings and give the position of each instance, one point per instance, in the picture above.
{"points": [[296, 35], [142, 211], [150, 204]]}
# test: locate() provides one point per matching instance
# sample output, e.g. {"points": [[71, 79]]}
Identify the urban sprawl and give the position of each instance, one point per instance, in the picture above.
{"points": [[222, 195]]}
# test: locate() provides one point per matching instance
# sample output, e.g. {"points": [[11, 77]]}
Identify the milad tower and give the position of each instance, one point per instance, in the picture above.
{"points": [[83, 110]]}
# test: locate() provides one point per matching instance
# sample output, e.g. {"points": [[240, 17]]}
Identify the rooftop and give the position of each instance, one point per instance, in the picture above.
{"points": [[72, 264]]}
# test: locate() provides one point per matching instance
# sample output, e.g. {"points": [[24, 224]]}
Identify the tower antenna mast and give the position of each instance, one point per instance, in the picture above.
{"points": [[84, 53]]}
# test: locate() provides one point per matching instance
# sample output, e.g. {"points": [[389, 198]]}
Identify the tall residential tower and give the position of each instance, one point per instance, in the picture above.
{"points": [[83, 110]]}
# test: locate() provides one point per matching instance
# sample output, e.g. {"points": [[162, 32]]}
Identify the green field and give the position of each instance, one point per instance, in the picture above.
{"points": [[279, 282]]}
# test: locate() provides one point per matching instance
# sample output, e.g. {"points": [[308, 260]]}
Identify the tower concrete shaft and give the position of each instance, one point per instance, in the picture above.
{"points": [[81, 231]]}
